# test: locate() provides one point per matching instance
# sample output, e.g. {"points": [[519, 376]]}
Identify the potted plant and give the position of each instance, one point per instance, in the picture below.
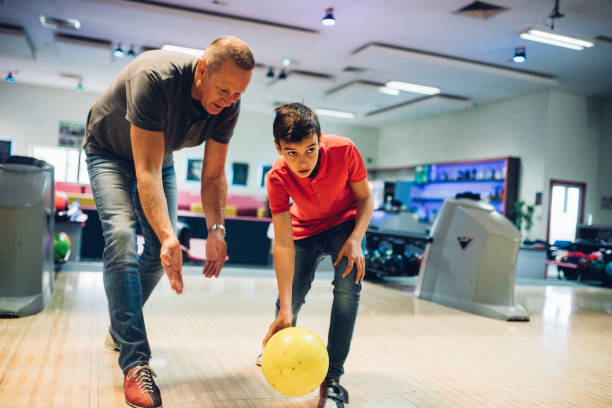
{"points": [[523, 217]]}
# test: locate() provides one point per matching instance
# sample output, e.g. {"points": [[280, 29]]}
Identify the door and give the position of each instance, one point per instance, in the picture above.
{"points": [[566, 210]]}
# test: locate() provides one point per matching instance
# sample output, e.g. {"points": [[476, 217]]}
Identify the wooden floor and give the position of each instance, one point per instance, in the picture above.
{"points": [[406, 352]]}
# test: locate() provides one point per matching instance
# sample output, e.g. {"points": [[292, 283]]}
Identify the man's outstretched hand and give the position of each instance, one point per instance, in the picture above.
{"points": [[216, 252], [172, 261]]}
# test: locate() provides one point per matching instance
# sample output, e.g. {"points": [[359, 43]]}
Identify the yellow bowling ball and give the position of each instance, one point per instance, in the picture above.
{"points": [[294, 361]]}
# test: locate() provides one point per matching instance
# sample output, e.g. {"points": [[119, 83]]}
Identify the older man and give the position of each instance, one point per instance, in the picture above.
{"points": [[160, 102]]}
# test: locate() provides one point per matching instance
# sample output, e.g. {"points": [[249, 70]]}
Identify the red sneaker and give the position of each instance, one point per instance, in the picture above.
{"points": [[140, 389]]}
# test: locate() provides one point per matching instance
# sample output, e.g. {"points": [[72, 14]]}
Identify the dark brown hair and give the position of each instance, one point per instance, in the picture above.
{"points": [[294, 122]]}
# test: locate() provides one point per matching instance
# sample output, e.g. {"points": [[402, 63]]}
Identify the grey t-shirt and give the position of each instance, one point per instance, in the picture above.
{"points": [[154, 93]]}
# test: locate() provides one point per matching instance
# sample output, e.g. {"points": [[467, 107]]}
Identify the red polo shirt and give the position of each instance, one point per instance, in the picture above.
{"points": [[323, 201]]}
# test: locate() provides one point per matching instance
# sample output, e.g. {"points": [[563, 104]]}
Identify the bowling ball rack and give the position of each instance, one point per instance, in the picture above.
{"points": [[392, 253], [579, 264]]}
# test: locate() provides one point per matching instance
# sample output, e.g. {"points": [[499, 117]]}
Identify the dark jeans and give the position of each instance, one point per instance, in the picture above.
{"points": [[309, 252], [128, 278]]}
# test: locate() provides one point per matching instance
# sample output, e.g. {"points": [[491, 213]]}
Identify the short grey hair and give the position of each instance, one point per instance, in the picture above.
{"points": [[228, 48]]}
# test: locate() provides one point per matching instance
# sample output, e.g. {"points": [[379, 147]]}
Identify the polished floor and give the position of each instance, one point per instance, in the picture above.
{"points": [[406, 352]]}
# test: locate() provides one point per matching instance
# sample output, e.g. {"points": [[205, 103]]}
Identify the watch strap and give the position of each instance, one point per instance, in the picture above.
{"points": [[217, 227]]}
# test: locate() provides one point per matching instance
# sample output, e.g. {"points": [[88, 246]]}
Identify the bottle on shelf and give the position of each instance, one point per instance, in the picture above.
{"points": [[480, 174], [388, 203]]}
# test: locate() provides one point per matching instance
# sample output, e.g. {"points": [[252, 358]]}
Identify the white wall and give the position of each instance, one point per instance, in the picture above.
{"points": [[572, 145], [604, 217], [515, 127], [31, 115], [556, 135]]}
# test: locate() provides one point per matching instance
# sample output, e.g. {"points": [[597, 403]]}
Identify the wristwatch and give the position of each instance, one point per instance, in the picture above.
{"points": [[217, 227]]}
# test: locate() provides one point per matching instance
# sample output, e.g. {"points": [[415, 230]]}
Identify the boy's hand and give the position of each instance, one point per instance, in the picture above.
{"points": [[282, 321], [354, 255]]}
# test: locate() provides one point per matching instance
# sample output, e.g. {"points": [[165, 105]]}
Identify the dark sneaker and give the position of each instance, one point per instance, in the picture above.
{"points": [[110, 342], [332, 394], [140, 389]]}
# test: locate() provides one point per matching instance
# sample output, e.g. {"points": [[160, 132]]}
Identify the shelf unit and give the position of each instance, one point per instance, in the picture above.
{"points": [[496, 180]]}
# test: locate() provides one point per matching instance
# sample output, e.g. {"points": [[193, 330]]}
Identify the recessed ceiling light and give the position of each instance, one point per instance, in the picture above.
{"points": [[286, 62], [335, 114], [408, 87], [328, 19], [118, 52], [519, 55]]}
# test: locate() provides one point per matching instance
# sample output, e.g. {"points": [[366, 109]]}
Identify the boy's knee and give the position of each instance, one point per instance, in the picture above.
{"points": [[347, 296]]}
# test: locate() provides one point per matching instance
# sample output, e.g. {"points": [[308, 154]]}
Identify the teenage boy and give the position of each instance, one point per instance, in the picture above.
{"points": [[325, 177]]}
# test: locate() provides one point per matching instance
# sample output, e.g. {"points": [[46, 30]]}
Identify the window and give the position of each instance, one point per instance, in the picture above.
{"points": [[240, 174], [83, 174], [69, 164], [264, 170]]}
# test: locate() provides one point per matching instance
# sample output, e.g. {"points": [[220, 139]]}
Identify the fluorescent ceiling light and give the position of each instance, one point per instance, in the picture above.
{"points": [[184, 50], [407, 87], [335, 114], [548, 41], [388, 91], [556, 39], [562, 38]]}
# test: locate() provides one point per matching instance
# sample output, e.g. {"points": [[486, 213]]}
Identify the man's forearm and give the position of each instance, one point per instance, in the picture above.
{"points": [[365, 208], [154, 204], [284, 264], [214, 194]]}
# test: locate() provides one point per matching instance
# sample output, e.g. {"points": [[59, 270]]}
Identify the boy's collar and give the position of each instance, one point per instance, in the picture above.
{"points": [[317, 166]]}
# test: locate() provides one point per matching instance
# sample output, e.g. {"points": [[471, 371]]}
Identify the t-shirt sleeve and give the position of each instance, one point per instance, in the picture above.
{"points": [[147, 105], [277, 194], [357, 170], [225, 131]]}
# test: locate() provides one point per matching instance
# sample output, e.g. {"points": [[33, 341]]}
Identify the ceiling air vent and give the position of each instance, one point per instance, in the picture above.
{"points": [[82, 41], [480, 9], [604, 38], [354, 70], [56, 23]]}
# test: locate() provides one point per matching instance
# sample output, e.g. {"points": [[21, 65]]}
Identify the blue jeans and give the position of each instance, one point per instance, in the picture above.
{"points": [[128, 278], [309, 252]]}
